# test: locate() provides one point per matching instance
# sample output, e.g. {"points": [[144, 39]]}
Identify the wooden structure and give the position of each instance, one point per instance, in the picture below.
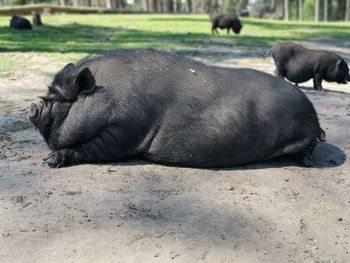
{"points": [[48, 8]]}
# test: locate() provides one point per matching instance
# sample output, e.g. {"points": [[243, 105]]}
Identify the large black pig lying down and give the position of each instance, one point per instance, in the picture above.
{"points": [[172, 110]]}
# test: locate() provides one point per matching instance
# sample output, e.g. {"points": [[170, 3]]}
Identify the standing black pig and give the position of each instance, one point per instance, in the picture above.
{"points": [[172, 110], [299, 64], [18, 22], [225, 21]]}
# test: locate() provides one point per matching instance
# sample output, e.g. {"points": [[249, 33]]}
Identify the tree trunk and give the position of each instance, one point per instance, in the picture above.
{"points": [[273, 4], [197, 6], [178, 6], [325, 11], [208, 6], [144, 4], [108, 4], [286, 10], [169, 6], [223, 5], [189, 6], [347, 10], [317, 10], [153, 5], [240, 5], [334, 10], [160, 6], [300, 9], [94, 3], [149, 5]]}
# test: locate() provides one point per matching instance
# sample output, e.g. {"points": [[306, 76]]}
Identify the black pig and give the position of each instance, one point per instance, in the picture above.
{"points": [[18, 22], [299, 64], [172, 110], [225, 21]]}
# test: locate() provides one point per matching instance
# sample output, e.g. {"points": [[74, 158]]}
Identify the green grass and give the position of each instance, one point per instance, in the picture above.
{"points": [[68, 37], [97, 33]]}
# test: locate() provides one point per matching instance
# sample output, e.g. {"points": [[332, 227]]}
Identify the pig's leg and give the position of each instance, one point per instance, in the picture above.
{"points": [[109, 145], [304, 158], [64, 157], [84, 121], [228, 31], [318, 82], [279, 72], [213, 30]]}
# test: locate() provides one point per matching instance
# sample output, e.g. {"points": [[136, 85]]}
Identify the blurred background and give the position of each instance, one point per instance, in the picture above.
{"points": [[72, 29], [318, 10]]}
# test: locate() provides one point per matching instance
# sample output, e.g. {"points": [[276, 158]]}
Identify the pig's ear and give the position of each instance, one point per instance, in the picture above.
{"points": [[68, 67], [84, 80]]}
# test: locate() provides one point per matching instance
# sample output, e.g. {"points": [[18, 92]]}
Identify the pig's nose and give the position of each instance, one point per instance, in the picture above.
{"points": [[33, 110]]}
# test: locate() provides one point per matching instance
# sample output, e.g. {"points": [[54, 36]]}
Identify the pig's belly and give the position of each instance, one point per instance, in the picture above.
{"points": [[296, 74], [200, 146]]}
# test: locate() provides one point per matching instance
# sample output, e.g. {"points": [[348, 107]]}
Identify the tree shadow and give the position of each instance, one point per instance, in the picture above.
{"points": [[166, 198], [325, 155], [176, 18], [296, 25], [308, 88]]}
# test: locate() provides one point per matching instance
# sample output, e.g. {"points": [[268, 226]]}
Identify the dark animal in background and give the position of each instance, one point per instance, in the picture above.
{"points": [[225, 21], [298, 64], [18, 22], [244, 13], [37, 20], [269, 12], [172, 110]]}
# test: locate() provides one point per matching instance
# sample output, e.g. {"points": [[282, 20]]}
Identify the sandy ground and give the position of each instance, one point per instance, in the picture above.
{"points": [[142, 212]]}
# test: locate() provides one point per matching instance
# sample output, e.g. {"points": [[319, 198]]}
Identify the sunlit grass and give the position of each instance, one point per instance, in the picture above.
{"points": [[97, 33]]}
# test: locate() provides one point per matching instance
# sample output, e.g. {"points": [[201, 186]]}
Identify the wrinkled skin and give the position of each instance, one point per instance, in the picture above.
{"points": [[172, 110], [18, 22], [298, 64], [225, 21]]}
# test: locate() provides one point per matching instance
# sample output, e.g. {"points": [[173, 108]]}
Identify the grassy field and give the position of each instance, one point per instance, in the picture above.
{"points": [[69, 37]]}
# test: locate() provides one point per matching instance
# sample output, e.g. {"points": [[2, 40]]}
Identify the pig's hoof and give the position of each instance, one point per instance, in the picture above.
{"points": [[57, 159], [303, 160]]}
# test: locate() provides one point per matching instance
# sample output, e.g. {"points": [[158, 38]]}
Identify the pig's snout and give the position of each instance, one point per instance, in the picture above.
{"points": [[39, 111], [348, 77], [33, 111]]}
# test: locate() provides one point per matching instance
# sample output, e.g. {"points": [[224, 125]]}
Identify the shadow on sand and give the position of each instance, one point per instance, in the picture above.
{"points": [[325, 155]]}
